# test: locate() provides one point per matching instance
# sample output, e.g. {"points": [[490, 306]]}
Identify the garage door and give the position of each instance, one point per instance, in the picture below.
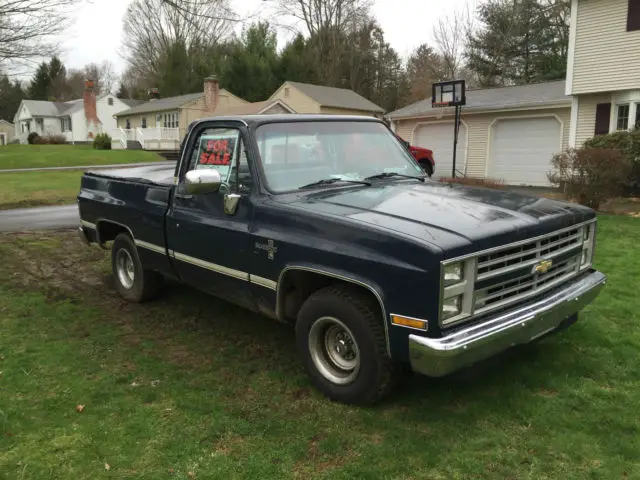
{"points": [[521, 150], [439, 138]]}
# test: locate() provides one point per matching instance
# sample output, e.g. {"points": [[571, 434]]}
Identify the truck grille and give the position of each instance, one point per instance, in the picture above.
{"points": [[527, 254], [515, 272]]}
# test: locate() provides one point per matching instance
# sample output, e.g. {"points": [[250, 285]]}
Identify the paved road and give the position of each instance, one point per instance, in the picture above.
{"points": [[42, 218], [86, 167]]}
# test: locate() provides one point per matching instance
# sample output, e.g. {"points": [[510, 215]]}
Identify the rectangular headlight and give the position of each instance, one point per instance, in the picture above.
{"points": [[451, 307], [452, 273], [588, 245]]}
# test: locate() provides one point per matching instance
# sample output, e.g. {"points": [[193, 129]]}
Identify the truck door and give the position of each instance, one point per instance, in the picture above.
{"points": [[209, 242]]}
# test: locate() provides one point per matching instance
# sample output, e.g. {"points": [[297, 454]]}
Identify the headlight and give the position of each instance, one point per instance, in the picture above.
{"points": [[452, 273], [451, 307], [588, 245]]}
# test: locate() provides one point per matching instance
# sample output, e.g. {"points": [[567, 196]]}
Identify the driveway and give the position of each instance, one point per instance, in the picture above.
{"points": [[42, 218]]}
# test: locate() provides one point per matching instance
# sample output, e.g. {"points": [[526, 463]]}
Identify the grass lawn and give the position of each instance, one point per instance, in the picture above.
{"points": [[35, 156], [192, 387], [32, 189]]}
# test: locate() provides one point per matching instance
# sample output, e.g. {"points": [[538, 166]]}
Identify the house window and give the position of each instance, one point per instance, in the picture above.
{"points": [[110, 101], [622, 122], [66, 124], [128, 124], [286, 92], [633, 16], [170, 120], [144, 122], [40, 124]]}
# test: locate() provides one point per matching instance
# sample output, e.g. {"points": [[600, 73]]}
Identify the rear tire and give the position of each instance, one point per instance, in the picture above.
{"points": [[342, 344], [132, 281]]}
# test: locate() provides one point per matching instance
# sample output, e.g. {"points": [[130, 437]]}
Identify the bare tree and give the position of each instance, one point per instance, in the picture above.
{"points": [[103, 75], [151, 27], [329, 24], [28, 29], [450, 33]]}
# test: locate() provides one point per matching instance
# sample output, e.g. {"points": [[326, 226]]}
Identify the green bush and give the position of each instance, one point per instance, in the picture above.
{"points": [[32, 137], [50, 140], [628, 143], [102, 142], [591, 176]]}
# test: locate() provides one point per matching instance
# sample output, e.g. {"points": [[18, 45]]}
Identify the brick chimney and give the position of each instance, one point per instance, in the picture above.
{"points": [[89, 102], [211, 91], [154, 94]]}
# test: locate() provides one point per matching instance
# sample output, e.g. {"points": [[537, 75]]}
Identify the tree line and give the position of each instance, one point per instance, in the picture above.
{"points": [[173, 44]]}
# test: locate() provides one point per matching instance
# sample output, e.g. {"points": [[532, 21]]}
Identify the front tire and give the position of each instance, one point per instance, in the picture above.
{"points": [[132, 281], [341, 341]]}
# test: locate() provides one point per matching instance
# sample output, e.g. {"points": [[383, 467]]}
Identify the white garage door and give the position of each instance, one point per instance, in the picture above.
{"points": [[521, 150], [439, 138]]}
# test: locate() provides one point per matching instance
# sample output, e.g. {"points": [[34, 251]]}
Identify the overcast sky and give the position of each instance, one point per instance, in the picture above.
{"points": [[97, 33]]}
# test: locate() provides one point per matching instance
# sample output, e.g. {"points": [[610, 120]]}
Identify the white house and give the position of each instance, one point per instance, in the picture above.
{"points": [[78, 120]]}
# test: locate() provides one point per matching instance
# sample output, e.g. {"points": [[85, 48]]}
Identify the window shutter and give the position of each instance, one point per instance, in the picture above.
{"points": [[603, 115], [633, 15]]}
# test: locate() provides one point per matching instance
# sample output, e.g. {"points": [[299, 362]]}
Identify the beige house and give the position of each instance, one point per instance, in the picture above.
{"points": [[7, 132], [308, 98], [508, 133], [161, 124], [603, 68]]}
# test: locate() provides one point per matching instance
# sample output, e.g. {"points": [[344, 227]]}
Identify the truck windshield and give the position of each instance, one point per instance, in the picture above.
{"points": [[296, 154]]}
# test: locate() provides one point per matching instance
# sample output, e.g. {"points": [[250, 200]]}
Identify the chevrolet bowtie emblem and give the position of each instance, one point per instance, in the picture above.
{"points": [[542, 267]]}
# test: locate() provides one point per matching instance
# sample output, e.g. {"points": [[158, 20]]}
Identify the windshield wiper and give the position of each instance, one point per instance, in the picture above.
{"points": [[330, 181], [393, 174]]}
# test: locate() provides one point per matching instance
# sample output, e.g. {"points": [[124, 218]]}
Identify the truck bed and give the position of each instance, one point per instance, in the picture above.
{"points": [[161, 174]]}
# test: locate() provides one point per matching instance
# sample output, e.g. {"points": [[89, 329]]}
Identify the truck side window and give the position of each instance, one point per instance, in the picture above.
{"points": [[216, 148]]}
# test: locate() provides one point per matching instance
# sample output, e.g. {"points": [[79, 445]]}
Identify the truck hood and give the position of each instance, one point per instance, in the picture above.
{"points": [[454, 218]]}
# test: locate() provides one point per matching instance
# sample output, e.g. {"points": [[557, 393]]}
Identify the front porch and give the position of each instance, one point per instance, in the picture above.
{"points": [[157, 139]]}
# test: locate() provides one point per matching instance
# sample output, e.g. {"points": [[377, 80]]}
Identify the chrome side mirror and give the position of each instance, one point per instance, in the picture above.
{"points": [[202, 181]]}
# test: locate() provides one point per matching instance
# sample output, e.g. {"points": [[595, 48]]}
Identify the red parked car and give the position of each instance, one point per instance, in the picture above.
{"points": [[424, 156]]}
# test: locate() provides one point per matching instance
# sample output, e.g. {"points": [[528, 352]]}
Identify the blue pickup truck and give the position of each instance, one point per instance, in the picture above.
{"points": [[329, 224]]}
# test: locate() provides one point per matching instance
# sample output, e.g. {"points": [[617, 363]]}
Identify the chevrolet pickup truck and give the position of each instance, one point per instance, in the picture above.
{"points": [[374, 265]]}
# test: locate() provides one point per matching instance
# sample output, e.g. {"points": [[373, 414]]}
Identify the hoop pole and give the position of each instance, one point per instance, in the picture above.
{"points": [[456, 129]]}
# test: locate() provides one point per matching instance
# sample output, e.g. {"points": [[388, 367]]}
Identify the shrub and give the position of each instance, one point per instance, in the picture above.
{"points": [[31, 137], [102, 142], [56, 139], [628, 143], [589, 175], [475, 182], [40, 140]]}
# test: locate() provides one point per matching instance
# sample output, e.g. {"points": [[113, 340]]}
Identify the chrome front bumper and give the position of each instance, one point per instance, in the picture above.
{"points": [[436, 357]]}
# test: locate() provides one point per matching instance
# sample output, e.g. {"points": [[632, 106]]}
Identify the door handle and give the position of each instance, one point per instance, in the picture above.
{"points": [[182, 196]]}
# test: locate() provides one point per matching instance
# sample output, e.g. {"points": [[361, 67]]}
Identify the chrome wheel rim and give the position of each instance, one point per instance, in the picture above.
{"points": [[334, 351], [125, 268]]}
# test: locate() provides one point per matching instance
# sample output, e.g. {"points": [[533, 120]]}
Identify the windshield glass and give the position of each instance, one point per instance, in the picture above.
{"points": [[300, 153]]}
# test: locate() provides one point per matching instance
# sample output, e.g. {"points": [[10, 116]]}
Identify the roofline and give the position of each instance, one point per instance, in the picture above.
{"points": [[275, 101], [292, 83], [159, 109], [479, 110]]}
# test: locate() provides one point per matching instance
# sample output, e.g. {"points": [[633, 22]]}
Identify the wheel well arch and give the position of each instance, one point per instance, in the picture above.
{"points": [[107, 230], [297, 283]]}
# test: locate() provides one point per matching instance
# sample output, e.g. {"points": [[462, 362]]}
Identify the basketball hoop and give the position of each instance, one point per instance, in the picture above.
{"points": [[443, 96]]}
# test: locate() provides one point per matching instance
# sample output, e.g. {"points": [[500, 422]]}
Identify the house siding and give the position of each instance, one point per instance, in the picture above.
{"points": [[8, 130], [606, 56], [586, 118], [478, 132], [345, 111], [297, 100]]}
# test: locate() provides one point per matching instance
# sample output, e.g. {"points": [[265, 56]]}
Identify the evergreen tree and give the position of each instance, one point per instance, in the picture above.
{"points": [[11, 94], [40, 83]]}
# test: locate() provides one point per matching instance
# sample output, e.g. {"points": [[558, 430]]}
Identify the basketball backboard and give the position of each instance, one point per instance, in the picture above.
{"points": [[448, 94]]}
